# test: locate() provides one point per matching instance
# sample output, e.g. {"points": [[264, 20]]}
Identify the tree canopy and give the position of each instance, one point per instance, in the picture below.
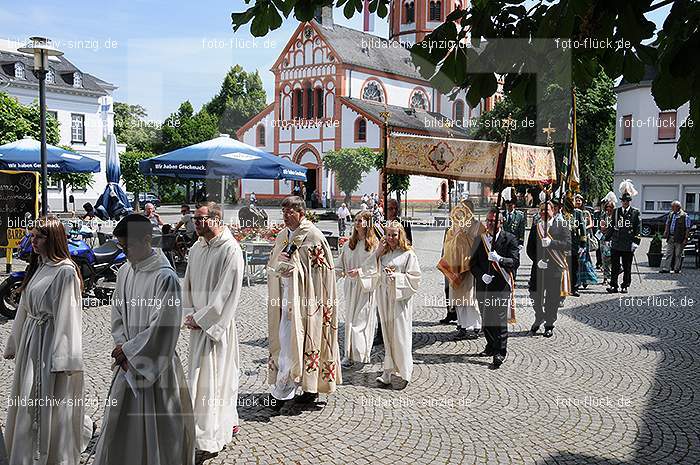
{"points": [[132, 128], [614, 36], [350, 165], [241, 97], [17, 121]]}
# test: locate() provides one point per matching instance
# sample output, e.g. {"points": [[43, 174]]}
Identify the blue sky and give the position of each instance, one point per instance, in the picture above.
{"points": [[159, 53]]}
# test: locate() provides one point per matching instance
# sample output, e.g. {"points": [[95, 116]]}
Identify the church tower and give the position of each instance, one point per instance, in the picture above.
{"points": [[411, 20]]}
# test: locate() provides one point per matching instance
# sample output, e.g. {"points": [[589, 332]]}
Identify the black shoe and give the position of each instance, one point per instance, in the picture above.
{"points": [[450, 318], [461, 334], [486, 353], [663, 271], [307, 398], [575, 293], [549, 332], [612, 290], [498, 360], [623, 290], [533, 330]]}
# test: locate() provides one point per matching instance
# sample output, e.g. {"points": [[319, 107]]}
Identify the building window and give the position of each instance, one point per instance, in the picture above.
{"points": [[419, 100], [667, 125], [649, 205], [459, 111], [319, 102], [409, 12], [260, 136], [309, 102], [77, 79], [51, 76], [77, 128], [360, 130], [373, 92], [627, 129], [436, 11], [19, 71], [298, 104]]}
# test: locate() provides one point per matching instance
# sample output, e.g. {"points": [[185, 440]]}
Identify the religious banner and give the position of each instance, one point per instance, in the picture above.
{"points": [[468, 160], [529, 164], [459, 159]]}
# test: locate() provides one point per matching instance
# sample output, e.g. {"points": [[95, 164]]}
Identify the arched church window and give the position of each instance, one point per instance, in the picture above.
{"points": [[260, 139], [409, 12], [436, 11], [419, 100], [459, 110], [361, 130], [373, 92]]}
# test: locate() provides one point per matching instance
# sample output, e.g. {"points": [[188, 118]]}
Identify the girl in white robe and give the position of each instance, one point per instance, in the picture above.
{"points": [[47, 333], [398, 274], [360, 305]]}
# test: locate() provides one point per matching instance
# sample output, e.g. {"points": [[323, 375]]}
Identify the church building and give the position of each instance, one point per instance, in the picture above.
{"points": [[331, 85]]}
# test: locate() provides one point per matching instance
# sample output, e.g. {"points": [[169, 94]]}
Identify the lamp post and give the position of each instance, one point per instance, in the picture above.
{"points": [[42, 49], [385, 183]]}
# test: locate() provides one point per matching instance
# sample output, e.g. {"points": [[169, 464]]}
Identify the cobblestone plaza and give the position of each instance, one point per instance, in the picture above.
{"points": [[618, 383]]}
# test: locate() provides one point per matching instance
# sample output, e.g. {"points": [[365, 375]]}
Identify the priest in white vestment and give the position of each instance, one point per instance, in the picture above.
{"points": [[398, 277], [302, 313], [148, 420], [359, 302], [47, 335], [211, 291]]}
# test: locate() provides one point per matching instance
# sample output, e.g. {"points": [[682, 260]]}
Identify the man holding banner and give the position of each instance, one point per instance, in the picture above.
{"points": [[547, 246], [493, 265]]}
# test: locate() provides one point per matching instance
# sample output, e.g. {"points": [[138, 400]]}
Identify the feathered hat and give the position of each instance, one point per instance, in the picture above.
{"points": [[627, 190], [609, 197]]}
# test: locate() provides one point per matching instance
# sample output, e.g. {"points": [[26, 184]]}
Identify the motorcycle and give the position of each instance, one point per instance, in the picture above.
{"points": [[98, 268]]}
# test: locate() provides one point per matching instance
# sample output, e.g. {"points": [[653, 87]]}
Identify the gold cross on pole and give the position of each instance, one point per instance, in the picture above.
{"points": [[549, 130]]}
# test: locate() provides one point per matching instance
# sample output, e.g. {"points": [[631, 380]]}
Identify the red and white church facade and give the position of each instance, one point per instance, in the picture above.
{"points": [[332, 83]]}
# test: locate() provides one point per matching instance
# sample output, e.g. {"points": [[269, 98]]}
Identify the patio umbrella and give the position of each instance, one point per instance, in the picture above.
{"points": [[222, 156], [25, 155], [113, 199]]}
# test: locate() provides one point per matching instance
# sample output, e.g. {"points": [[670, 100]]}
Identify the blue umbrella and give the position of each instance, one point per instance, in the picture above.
{"points": [[222, 156], [113, 199], [25, 155]]}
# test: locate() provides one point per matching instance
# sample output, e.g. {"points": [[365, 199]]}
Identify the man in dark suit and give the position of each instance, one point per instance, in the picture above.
{"points": [[624, 235], [493, 265], [547, 247], [514, 221]]}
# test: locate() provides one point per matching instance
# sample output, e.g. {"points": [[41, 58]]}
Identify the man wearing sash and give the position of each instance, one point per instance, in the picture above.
{"points": [[493, 265], [547, 245]]}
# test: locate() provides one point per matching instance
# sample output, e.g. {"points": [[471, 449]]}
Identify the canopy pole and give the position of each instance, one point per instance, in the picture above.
{"points": [[223, 189]]}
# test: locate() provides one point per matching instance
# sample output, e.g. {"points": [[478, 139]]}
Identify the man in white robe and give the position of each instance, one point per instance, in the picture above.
{"points": [[148, 419], [211, 292]]}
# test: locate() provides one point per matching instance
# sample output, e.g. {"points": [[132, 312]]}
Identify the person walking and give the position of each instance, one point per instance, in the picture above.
{"points": [[676, 233]]}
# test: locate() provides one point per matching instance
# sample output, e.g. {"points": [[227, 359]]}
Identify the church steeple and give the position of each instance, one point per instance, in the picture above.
{"points": [[411, 20]]}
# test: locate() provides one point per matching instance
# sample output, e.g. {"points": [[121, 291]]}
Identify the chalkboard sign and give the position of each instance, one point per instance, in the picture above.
{"points": [[18, 196]]}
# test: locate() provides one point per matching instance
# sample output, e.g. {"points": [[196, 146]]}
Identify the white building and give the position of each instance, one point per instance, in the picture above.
{"points": [[645, 145], [80, 102], [332, 83]]}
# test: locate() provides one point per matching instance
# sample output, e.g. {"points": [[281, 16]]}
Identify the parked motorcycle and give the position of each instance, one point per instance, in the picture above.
{"points": [[98, 268]]}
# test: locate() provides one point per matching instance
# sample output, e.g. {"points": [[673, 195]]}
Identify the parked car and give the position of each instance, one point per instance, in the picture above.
{"points": [[149, 197], [650, 226]]}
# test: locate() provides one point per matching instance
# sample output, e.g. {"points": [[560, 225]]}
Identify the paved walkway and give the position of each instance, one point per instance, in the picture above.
{"points": [[618, 383]]}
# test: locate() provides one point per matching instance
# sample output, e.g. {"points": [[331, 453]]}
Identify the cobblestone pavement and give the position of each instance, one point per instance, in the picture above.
{"points": [[618, 383]]}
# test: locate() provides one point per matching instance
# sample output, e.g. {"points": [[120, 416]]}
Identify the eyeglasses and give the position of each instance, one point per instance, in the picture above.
{"points": [[200, 219]]}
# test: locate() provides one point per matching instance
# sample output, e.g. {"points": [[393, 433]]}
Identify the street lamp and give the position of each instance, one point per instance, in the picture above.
{"points": [[42, 49]]}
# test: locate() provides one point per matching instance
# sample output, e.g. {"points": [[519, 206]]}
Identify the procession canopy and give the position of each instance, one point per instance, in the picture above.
{"points": [[469, 160]]}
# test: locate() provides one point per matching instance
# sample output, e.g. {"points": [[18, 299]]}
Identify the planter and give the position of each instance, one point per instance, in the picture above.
{"points": [[654, 259]]}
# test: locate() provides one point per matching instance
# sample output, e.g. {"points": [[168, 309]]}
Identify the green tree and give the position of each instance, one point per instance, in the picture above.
{"points": [[350, 165], [133, 179], [671, 50], [17, 121], [395, 182], [241, 97], [185, 127], [132, 128]]}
